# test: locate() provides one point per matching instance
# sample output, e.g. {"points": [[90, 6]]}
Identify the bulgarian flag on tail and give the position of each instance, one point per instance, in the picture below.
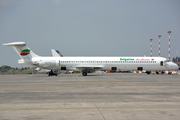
{"points": [[25, 52]]}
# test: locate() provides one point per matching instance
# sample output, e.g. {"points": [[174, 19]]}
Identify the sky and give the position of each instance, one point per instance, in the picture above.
{"points": [[89, 27]]}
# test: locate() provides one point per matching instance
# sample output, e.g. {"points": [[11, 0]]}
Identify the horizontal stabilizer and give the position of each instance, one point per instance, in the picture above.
{"points": [[22, 50], [15, 44]]}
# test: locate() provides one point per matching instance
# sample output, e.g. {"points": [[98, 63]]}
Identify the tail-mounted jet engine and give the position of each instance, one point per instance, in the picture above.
{"points": [[49, 63]]}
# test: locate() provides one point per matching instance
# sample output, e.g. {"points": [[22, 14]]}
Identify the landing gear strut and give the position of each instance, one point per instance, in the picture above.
{"points": [[84, 73]]}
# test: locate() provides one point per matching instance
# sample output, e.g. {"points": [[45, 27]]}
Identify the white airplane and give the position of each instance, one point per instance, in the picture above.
{"points": [[86, 64]]}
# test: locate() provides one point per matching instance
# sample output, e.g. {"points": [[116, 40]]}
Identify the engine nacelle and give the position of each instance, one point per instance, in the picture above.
{"points": [[49, 63]]}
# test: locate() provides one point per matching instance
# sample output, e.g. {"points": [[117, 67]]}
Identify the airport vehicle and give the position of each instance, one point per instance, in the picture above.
{"points": [[90, 64]]}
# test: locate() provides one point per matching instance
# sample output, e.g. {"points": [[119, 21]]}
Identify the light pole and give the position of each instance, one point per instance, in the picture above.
{"points": [[169, 44], [159, 44], [177, 63], [177, 55], [151, 46]]}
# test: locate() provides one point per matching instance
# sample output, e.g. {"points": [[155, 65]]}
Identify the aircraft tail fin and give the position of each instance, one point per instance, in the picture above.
{"points": [[56, 53], [22, 50]]}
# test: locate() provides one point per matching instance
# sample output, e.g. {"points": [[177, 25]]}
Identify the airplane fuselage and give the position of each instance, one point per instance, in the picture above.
{"points": [[101, 63]]}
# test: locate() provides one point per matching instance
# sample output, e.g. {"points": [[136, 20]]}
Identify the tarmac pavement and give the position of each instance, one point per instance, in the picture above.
{"points": [[98, 96]]}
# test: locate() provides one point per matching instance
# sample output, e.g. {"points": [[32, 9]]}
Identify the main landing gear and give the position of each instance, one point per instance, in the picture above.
{"points": [[84, 73], [157, 72], [160, 72], [148, 72], [51, 73]]}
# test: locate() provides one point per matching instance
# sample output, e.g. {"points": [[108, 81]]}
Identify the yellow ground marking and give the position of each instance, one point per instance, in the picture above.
{"points": [[69, 82], [75, 82], [79, 87]]}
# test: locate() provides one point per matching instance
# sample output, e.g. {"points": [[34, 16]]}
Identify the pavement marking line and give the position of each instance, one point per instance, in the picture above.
{"points": [[92, 100], [90, 108]]}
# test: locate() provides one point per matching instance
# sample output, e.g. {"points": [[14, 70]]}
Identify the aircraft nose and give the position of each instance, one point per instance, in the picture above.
{"points": [[172, 66], [177, 67]]}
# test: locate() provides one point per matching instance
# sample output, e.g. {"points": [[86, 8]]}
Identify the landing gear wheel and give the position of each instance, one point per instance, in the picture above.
{"points": [[84, 73], [169, 73], [148, 72], [51, 73]]}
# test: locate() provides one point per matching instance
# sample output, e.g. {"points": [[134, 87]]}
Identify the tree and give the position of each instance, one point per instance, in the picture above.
{"points": [[175, 59]]}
